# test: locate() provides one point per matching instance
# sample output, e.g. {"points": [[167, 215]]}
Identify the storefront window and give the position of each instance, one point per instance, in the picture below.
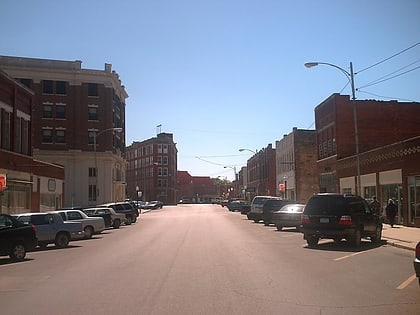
{"points": [[394, 192], [414, 198]]}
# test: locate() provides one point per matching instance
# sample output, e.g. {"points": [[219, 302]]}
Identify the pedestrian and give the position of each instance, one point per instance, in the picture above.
{"points": [[375, 206], [391, 212]]}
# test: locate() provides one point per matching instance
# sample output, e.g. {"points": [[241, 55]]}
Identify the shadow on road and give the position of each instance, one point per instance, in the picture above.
{"points": [[344, 246]]}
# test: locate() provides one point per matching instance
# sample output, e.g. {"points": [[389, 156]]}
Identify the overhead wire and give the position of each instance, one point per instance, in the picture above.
{"points": [[386, 59]]}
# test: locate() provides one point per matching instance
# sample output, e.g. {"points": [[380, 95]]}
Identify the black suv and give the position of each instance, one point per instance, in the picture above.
{"points": [[336, 216]]}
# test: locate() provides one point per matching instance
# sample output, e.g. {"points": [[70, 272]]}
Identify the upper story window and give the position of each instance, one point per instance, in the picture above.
{"points": [[92, 113], [60, 111], [165, 160], [26, 82], [91, 137], [61, 87], [47, 87], [60, 136], [47, 136], [46, 111], [159, 148], [93, 89], [165, 148]]}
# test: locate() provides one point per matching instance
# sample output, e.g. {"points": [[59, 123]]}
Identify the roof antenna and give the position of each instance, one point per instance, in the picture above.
{"points": [[159, 128]]}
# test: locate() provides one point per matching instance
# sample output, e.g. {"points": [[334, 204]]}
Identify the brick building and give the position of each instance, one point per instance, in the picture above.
{"points": [[75, 118], [389, 151], [296, 156], [261, 173], [152, 169], [26, 183]]}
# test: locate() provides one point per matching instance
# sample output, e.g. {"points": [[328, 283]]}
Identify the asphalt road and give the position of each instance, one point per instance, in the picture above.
{"points": [[203, 259]]}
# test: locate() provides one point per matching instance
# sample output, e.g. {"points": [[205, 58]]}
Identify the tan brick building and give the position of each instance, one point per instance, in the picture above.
{"points": [[75, 115]]}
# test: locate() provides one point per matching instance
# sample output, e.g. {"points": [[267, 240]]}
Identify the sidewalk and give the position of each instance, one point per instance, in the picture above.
{"points": [[401, 236]]}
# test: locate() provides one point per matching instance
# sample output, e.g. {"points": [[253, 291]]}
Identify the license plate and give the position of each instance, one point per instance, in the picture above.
{"points": [[324, 220]]}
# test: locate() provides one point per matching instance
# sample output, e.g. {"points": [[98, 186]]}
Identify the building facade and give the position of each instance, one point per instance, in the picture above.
{"points": [[26, 184], [152, 169], [388, 146], [261, 169], [296, 156], [78, 121]]}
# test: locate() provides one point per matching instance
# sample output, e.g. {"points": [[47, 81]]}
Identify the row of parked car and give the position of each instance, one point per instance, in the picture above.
{"points": [[23, 232], [324, 216]]}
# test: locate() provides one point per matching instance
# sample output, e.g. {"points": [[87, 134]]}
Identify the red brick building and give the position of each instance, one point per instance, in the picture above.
{"points": [[261, 173], [389, 151], [31, 185], [152, 169], [75, 116]]}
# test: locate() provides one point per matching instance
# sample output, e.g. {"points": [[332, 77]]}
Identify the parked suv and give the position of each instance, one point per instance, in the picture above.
{"points": [[256, 212], [335, 216], [131, 212]]}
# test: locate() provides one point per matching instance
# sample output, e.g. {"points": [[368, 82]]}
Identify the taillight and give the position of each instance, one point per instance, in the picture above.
{"points": [[304, 219], [345, 220]]}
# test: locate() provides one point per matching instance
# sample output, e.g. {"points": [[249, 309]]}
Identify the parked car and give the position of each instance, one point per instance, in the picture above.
{"points": [[236, 205], [16, 238], [153, 205], [335, 216], [256, 212], [52, 229], [246, 208], [90, 225], [131, 213], [288, 216], [417, 262], [111, 218], [270, 206], [224, 202]]}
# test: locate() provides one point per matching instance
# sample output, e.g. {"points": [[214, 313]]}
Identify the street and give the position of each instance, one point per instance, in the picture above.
{"points": [[203, 259]]}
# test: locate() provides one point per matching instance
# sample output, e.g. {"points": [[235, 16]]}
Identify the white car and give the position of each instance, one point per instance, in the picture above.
{"points": [[91, 225], [112, 218]]}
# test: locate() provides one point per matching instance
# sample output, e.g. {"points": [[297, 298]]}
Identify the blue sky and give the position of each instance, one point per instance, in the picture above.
{"points": [[223, 75]]}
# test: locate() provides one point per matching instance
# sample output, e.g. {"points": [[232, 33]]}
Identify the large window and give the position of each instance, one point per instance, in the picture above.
{"points": [[92, 113], [92, 192], [47, 111], [93, 89], [47, 136], [60, 111], [48, 87], [60, 87], [60, 136]]}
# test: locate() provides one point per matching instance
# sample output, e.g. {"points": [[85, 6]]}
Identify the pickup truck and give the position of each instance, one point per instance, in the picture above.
{"points": [[16, 238], [51, 229], [91, 225]]}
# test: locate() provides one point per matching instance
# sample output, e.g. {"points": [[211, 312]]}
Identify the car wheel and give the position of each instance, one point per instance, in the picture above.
{"points": [[256, 221], [128, 222], [42, 245], [18, 252], [378, 235], [337, 240], [62, 240], [266, 223], [312, 240], [88, 232], [116, 224], [279, 227], [356, 239], [134, 219]]}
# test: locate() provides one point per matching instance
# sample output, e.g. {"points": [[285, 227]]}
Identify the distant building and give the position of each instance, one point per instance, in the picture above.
{"points": [[261, 169], [389, 151], [297, 174], [195, 189], [26, 184], [152, 169], [73, 107]]}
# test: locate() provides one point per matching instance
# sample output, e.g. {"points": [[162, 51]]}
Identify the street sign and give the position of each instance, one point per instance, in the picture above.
{"points": [[2, 182]]}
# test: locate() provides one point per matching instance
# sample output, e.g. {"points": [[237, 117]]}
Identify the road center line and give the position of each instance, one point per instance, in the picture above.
{"points": [[406, 282]]}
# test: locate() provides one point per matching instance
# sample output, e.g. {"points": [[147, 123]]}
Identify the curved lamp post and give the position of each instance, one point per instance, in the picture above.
{"points": [[234, 170], [116, 129], [350, 77], [241, 150]]}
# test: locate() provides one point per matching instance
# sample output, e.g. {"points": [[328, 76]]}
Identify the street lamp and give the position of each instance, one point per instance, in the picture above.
{"points": [[350, 77], [116, 129], [241, 150]]}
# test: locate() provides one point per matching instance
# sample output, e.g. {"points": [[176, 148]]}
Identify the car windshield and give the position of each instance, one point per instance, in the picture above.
{"points": [[332, 205]]}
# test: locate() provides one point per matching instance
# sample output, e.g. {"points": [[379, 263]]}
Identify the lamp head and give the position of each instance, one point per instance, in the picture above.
{"points": [[311, 64]]}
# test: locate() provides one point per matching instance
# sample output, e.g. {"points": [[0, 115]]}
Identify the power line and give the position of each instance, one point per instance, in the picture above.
{"points": [[382, 61], [393, 77], [387, 97]]}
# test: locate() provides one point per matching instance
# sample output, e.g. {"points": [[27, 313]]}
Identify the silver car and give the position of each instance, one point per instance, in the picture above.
{"points": [[288, 216], [91, 225]]}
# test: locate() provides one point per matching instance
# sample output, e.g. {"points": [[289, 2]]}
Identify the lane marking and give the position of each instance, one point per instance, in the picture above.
{"points": [[347, 256], [406, 282]]}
